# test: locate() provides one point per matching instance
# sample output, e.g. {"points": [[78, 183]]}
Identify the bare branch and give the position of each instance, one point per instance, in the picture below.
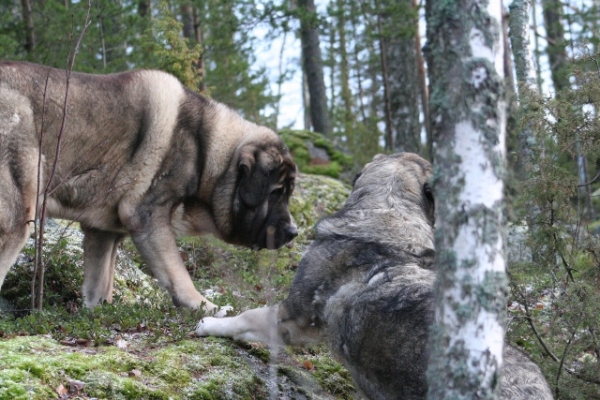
{"points": [[40, 268]]}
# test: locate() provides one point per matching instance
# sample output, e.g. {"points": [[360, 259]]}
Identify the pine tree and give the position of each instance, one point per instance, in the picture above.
{"points": [[400, 25], [312, 63]]}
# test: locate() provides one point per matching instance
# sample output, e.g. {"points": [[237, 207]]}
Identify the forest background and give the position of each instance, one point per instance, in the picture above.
{"points": [[360, 75]]}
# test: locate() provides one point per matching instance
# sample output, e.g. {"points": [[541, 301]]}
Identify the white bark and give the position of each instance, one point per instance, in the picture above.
{"points": [[519, 38], [469, 125]]}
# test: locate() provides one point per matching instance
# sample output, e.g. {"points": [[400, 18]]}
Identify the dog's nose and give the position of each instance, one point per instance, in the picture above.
{"points": [[291, 231]]}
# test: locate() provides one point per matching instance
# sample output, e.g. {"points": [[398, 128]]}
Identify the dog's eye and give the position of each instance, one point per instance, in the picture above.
{"points": [[278, 192]]}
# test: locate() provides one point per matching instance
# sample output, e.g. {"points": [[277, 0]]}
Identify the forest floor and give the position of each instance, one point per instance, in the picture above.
{"points": [[141, 346]]}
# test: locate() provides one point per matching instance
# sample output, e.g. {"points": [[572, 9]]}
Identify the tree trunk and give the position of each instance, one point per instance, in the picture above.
{"points": [[29, 31], [519, 38], [187, 19], [403, 75], [423, 89], [464, 57], [389, 134], [526, 75], [144, 8], [512, 130], [199, 36], [358, 65], [346, 93], [306, 102], [536, 48], [557, 46], [332, 69], [313, 66]]}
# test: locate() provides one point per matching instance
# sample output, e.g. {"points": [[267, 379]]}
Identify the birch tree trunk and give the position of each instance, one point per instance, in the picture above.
{"points": [[526, 74], [519, 39], [465, 60]]}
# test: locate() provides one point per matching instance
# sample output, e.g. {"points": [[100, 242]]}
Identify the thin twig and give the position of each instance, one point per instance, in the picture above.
{"points": [[592, 181], [562, 361], [41, 269], [532, 325], [37, 245]]}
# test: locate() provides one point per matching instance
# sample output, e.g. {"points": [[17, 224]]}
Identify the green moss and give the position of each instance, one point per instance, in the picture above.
{"points": [[331, 169], [297, 141], [333, 377], [29, 366]]}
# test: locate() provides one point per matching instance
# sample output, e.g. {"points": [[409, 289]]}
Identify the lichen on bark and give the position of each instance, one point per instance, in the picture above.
{"points": [[468, 122]]}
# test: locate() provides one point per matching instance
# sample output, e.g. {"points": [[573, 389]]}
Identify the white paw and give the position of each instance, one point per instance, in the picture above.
{"points": [[223, 311], [206, 326]]}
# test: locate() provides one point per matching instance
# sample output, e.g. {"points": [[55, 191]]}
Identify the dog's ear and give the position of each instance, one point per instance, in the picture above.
{"points": [[252, 180], [429, 203], [356, 178]]}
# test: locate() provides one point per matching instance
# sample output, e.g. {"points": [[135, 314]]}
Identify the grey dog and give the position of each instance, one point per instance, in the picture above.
{"points": [[365, 287]]}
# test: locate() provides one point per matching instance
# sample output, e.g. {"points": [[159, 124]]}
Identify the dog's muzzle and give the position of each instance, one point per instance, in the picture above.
{"points": [[284, 237]]}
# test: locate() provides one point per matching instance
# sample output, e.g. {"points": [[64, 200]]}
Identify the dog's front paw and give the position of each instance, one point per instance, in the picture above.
{"points": [[222, 311], [207, 326]]}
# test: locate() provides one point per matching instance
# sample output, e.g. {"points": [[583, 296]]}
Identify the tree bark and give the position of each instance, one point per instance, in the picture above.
{"points": [[144, 8], [519, 38], [199, 36], [389, 134], [557, 46], [464, 57], [424, 90], [313, 66], [306, 101], [536, 47], [358, 65], [526, 75], [403, 76], [187, 19], [29, 31], [346, 93]]}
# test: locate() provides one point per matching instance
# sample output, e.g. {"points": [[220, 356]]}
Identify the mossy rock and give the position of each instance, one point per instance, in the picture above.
{"points": [[63, 257], [315, 154]]}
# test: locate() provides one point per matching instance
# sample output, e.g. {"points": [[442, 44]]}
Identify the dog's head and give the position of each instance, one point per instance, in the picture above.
{"points": [[397, 178], [391, 203], [265, 180]]}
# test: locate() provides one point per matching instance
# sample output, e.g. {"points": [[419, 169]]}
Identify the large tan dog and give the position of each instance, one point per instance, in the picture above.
{"points": [[365, 287], [139, 155]]}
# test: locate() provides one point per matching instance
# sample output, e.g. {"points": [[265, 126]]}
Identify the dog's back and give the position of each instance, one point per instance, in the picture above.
{"points": [[379, 330]]}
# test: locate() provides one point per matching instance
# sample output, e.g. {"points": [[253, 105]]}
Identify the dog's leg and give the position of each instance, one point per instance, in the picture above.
{"points": [[17, 212], [18, 176], [256, 325], [152, 235], [99, 258], [11, 242], [17, 205]]}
